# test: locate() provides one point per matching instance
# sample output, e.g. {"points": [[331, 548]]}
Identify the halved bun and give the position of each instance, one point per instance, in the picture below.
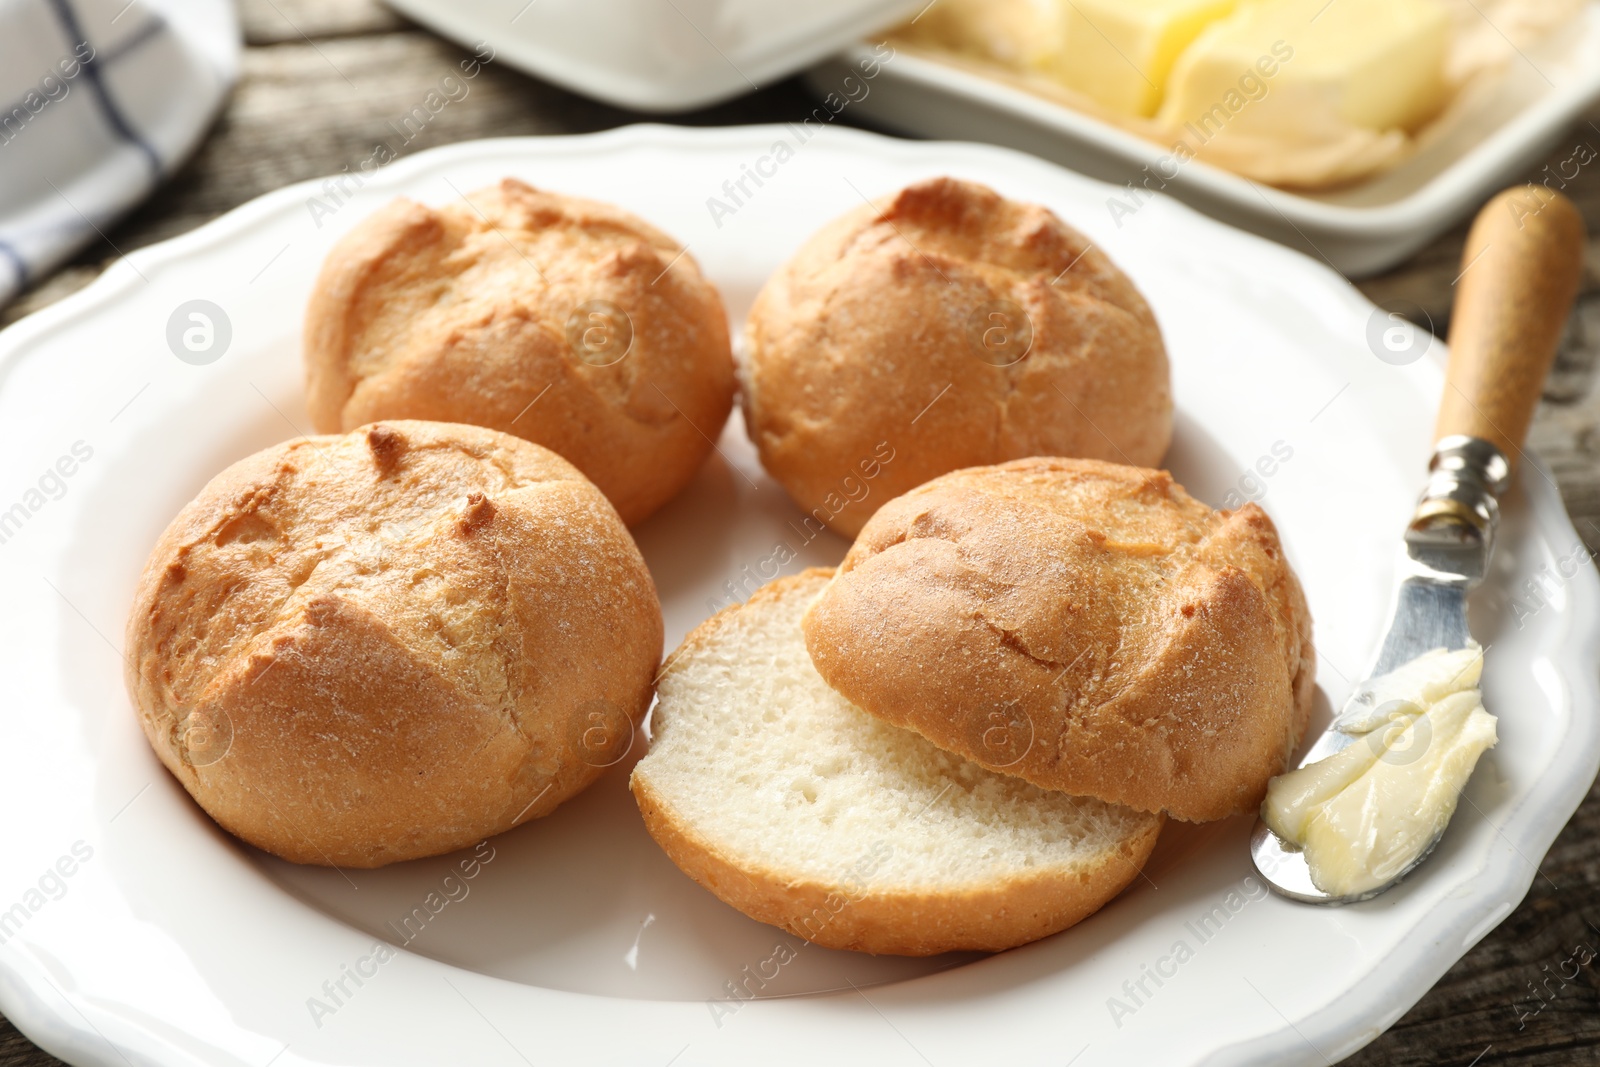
{"points": [[772, 791], [1134, 644]]}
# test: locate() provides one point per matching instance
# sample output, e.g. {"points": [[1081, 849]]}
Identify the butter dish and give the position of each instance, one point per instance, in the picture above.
{"points": [[1359, 229]]}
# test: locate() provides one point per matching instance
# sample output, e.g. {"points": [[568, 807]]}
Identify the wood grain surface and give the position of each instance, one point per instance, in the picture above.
{"points": [[323, 78]]}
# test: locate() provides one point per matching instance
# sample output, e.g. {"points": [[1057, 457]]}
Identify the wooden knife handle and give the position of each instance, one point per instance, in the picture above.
{"points": [[1520, 274]]}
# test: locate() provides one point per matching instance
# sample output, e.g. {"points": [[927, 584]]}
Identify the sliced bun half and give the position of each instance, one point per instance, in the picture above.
{"points": [[1086, 626], [799, 809]]}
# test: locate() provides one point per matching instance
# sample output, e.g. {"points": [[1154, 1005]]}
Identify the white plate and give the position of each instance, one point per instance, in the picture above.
{"points": [[659, 55], [579, 941], [1359, 230]]}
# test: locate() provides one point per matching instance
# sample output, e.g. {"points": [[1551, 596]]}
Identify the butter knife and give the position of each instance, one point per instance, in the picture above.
{"points": [[1520, 273]]}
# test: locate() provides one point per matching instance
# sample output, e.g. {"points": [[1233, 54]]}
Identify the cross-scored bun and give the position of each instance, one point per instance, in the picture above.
{"points": [[571, 323], [772, 791], [1087, 626], [366, 648], [945, 327]]}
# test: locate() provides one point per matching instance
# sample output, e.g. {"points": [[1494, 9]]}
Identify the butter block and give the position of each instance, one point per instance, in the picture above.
{"points": [[1026, 35], [1278, 68], [1119, 52]]}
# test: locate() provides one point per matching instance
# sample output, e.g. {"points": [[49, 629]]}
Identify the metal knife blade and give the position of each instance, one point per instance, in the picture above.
{"points": [[1446, 553]]}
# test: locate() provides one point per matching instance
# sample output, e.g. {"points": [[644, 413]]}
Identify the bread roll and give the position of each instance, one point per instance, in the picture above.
{"points": [[1086, 626], [570, 323], [772, 791], [946, 327], [360, 649]]}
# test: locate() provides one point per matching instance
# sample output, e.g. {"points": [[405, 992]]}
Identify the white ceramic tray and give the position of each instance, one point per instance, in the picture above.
{"points": [[659, 55], [1359, 230], [136, 932]]}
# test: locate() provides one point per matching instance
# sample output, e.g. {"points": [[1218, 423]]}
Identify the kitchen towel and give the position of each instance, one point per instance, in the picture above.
{"points": [[100, 101]]}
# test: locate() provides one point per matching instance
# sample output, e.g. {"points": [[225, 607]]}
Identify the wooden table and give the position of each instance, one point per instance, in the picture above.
{"points": [[323, 78]]}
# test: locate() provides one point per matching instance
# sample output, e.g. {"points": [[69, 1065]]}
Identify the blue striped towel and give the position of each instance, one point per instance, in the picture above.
{"points": [[99, 101]]}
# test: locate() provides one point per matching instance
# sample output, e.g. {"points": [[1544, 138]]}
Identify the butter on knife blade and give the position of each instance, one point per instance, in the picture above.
{"points": [[1365, 813]]}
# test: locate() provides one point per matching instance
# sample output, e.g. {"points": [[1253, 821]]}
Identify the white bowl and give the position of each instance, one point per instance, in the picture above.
{"points": [[658, 55]]}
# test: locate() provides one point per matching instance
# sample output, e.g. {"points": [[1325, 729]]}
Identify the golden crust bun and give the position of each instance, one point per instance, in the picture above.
{"points": [[571, 323], [1086, 626], [946, 327], [358, 649], [770, 790]]}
